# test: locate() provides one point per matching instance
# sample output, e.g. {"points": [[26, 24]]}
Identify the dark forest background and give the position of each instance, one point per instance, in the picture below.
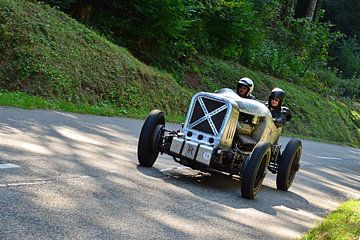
{"points": [[314, 43]]}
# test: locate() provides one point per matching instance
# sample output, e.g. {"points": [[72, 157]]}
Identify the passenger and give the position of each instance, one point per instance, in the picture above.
{"points": [[244, 88], [279, 113]]}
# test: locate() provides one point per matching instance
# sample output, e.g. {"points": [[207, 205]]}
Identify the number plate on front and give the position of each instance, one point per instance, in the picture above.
{"points": [[189, 150], [204, 154]]}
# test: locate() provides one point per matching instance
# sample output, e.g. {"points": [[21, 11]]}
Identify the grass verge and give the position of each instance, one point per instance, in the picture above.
{"points": [[25, 101], [343, 223]]}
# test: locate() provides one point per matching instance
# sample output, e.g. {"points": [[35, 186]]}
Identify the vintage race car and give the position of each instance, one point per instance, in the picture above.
{"points": [[224, 133]]}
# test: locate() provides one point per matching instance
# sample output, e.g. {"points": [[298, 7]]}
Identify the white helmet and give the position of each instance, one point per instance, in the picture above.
{"points": [[247, 82]]}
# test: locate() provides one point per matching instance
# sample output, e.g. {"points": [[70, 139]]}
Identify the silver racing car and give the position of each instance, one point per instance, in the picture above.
{"points": [[224, 133]]}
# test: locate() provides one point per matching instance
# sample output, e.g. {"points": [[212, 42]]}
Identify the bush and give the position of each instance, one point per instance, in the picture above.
{"points": [[349, 88], [173, 34], [348, 57], [277, 60], [152, 29], [234, 30], [297, 46]]}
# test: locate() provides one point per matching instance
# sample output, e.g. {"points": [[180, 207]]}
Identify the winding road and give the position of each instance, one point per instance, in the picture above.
{"points": [[73, 176]]}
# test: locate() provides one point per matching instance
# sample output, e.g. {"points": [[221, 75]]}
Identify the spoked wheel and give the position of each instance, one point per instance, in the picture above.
{"points": [[150, 136], [254, 170], [289, 164]]}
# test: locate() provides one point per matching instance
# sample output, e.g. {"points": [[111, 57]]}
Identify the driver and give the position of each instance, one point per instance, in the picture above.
{"points": [[279, 113], [244, 88]]}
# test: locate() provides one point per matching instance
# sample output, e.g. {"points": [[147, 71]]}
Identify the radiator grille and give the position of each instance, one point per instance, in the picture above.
{"points": [[208, 115]]}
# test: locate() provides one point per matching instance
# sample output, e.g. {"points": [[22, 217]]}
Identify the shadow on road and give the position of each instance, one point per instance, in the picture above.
{"points": [[225, 190]]}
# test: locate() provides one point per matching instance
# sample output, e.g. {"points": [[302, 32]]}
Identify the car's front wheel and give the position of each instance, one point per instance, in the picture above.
{"points": [[254, 170], [150, 136], [288, 164]]}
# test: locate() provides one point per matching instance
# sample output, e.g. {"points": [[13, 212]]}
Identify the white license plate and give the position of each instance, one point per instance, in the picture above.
{"points": [[189, 150]]}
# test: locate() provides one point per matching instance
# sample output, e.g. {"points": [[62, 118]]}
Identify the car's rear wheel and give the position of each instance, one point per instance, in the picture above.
{"points": [[150, 137], [288, 164], [254, 170]]}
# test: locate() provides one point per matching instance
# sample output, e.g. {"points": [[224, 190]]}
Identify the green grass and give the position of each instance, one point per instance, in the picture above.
{"points": [[69, 67], [25, 101], [44, 52], [341, 224]]}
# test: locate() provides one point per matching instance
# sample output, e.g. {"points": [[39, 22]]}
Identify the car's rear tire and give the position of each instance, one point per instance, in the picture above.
{"points": [[288, 164], [148, 145], [254, 170]]}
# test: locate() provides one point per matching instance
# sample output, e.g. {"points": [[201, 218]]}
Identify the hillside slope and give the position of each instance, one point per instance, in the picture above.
{"points": [[45, 53]]}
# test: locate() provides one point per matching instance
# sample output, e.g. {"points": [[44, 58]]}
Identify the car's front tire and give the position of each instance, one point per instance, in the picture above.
{"points": [[148, 149], [288, 164], [254, 170]]}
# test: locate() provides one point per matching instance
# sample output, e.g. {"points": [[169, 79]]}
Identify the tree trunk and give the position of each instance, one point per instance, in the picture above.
{"points": [[311, 9], [288, 8], [85, 12], [318, 8]]}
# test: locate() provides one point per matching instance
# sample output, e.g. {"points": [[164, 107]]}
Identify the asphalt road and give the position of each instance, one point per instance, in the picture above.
{"points": [[72, 176]]}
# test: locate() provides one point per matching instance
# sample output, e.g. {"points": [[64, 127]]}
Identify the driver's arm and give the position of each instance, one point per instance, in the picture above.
{"points": [[280, 120], [284, 115]]}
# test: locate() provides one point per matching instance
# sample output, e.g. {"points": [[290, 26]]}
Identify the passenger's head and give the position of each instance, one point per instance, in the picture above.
{"points": [[276, 98], [245, 86]]}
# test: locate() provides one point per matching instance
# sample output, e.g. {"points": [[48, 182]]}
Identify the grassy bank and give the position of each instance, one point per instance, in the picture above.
{"points": [[343, 223], [66, 66], [45, 53], [25, 101]]}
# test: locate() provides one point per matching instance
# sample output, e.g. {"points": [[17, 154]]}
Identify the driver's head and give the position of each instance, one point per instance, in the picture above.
{"points": [[276, 98], [245, 86]]}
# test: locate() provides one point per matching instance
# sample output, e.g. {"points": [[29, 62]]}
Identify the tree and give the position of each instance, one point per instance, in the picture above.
{"points": [[311, 9], [319, 6], [288, 8], [345, 14], [308, 8]]}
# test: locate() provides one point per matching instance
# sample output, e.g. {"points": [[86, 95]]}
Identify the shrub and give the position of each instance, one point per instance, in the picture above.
{"points": [[234, 29], [297, 46], [349, 88], [277, 60], [348, 57]]}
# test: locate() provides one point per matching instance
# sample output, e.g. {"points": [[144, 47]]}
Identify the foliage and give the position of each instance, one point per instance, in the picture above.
{"points": [[348, 57], [151, 29], [46, 53], [344, 14], [172, 34], [234, 30], [298, 45], [164, 29], [349, 88]]}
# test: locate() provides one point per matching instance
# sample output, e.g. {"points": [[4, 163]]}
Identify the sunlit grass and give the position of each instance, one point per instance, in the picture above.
{"points": [[342, 224], [23, 100]]}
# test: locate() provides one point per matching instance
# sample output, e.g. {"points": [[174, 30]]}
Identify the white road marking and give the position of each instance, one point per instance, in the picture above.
{"points": [[37, 182], [332, 158], [8, 165]]}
